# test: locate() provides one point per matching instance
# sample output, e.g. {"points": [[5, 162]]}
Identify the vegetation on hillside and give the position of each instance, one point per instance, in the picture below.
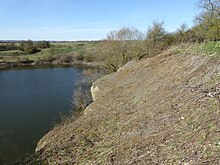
{"points": [[159, 110], [125, 44]]}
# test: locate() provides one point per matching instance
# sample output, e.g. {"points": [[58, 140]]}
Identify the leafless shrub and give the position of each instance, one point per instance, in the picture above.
{"points": [[120, 47], [156, 38], [82, 95]]}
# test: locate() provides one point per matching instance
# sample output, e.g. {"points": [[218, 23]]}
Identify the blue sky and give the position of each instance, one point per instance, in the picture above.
{"points": [[87, 19]]}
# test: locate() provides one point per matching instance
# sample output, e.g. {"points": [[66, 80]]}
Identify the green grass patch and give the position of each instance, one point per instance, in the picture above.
{"points": [[211, 48]]}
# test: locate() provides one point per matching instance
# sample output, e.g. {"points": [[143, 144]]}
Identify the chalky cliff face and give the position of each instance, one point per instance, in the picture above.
{"points": [[158, 110]]}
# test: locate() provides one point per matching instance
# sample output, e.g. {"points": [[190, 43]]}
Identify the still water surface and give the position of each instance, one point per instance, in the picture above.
{"points": [[30, 102]]}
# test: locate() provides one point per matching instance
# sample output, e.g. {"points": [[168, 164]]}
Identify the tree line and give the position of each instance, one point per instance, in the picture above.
{"points": [[122, 45], [28, 47]]}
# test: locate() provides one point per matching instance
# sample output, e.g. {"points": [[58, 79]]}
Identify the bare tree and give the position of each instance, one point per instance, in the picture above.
{"points": [[209, 18], [181, 32], [120, 47], [210, 6], [156, 31], [125, 34], [155, 38]]}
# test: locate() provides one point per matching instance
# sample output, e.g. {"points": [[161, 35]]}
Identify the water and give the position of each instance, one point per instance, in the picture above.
{"points": [[30, 102]]}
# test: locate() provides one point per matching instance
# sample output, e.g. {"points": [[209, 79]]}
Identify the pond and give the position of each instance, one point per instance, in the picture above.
{"points": [[31, 101]]}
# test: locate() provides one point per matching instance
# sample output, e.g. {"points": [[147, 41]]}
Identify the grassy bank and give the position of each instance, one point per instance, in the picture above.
{"points": [[58, 53], [159, 110]]}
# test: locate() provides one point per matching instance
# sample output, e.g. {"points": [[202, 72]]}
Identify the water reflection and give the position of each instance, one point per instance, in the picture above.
{"points": [[30, 100]]}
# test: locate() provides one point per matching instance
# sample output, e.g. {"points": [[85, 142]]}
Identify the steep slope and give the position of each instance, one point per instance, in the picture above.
{"points": [[160, 110]]}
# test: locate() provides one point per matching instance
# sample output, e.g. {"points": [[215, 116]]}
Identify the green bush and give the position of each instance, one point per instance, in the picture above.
{"points": [[28, 47], [66, 58], [79, 57], [89, 58], [42, 44]]}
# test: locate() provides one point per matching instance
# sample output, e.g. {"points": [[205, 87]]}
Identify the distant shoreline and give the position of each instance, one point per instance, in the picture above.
{"points": [[26, 64]]}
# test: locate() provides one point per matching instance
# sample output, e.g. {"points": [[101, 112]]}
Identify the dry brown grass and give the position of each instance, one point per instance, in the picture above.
{"points": [[160, 110]]}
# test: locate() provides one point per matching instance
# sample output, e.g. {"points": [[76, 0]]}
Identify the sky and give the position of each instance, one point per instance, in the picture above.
{"points": [[73, 20]]}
